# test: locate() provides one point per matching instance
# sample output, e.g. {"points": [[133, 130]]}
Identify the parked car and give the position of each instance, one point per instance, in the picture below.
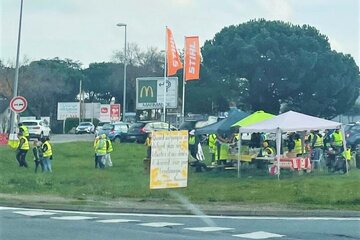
{"points": [[99, 127], [37, 128], [115, 131], [139, 131], [352, 135], [85, 127], [194, 124]]}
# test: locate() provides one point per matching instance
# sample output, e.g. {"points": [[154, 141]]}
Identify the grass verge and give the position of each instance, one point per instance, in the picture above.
{"points": [[74, 177]]}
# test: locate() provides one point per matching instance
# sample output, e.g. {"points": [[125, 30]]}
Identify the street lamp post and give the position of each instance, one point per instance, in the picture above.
{"points": [[15, 88], [125, 63]]}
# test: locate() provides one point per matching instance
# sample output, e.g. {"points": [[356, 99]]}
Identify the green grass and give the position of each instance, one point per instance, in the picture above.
{"points": [[75, 177]]}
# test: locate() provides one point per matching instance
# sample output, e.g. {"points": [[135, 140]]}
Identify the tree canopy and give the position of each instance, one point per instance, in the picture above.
{"points": [[277, 66]]}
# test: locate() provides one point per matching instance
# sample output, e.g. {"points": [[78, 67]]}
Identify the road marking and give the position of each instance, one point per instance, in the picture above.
{"points": [[160, 224], [73, 218], [193, 216], [117, 221], [259, 235], [34, 213], [209, 229]]}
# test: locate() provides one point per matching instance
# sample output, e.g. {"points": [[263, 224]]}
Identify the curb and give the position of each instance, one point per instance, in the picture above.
{"points": [[175, 209]]}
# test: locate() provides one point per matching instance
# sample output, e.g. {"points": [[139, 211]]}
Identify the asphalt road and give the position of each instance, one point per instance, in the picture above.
{"points": [[36, 224], [61, 138]]}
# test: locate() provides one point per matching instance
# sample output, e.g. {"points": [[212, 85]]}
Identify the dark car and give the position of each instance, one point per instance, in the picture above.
{"points": [[352, 134], [138, 131], [115, 131]]}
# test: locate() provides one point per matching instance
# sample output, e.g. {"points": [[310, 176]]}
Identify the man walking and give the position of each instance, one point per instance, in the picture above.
{"points": [[22, 150], [100, 151], [47, 154]]}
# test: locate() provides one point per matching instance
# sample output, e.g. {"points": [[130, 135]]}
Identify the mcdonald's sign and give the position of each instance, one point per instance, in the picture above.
{"points": [[150, 92], [147, 91]]}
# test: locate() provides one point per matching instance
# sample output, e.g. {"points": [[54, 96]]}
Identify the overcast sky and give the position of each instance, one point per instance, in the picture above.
{"points": [[85, 30]]}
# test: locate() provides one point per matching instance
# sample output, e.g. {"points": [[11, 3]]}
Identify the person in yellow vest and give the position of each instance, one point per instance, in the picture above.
{"points": [[337, 140], [297, 145], [193, 149], [222, 149], [47, 154], [97, 138], [212, 146], [109, 149], [193, 142], [267, 151], [22, 150], [317, 146], [24, 130], [100, 151], [148, 145]]}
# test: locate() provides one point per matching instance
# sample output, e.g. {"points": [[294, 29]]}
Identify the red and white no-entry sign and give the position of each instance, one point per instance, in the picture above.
{"points": [[18, 104]]}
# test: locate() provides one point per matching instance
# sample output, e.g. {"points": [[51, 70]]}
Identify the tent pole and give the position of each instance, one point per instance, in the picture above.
{"points": [[278, 148], [239, 154], [344, 144]]}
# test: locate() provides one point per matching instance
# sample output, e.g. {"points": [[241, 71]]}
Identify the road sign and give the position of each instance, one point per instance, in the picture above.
{"points": [[114, 112], [18, 104], [68, 110], [150, 92]]}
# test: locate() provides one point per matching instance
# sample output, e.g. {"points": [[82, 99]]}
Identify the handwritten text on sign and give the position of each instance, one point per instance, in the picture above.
{"points": [[169, 159]]}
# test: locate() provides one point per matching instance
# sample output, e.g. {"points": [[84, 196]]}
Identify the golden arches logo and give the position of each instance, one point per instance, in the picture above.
{"points": [[147, 90]]}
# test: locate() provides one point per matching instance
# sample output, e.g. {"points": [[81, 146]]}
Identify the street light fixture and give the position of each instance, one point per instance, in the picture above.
{"points": [[125, 62]]}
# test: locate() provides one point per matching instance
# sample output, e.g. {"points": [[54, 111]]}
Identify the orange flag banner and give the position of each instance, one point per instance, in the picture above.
{"points": [[192, 58], [173, 59]]}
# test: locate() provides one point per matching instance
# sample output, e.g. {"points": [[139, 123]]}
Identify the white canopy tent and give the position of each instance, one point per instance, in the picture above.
{"points": [[290, 122]]}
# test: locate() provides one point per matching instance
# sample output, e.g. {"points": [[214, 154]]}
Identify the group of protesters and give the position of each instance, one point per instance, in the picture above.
{"points": [[103, 148], [327, 146], [42, 151]]}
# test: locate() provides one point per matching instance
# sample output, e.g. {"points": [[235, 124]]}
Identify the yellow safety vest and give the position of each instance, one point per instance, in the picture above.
{"points": [[48, 152], [148, 142], [338, 139], [101, 147], [25, 130], [268, 151], [319, 141], [347, 154], [25, 145], [191, 140], [224, 151], [212, 141], [110, 147], [298, 147]]}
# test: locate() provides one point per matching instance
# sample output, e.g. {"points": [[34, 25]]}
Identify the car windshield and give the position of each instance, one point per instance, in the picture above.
{"points": [[137, 125], [108, 127], [85, 124], [102, 124], [30, 123]]}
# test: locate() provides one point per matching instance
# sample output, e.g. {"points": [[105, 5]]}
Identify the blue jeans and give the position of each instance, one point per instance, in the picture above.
{"points": [[47, 164]]}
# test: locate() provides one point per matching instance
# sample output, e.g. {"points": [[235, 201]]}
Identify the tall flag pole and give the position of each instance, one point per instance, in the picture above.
{"points": [[172, 59], [165, 67], [183, 90], [191, 64]]}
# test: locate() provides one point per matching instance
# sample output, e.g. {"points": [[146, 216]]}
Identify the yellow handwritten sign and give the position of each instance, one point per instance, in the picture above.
{"points": [[169, 159]]}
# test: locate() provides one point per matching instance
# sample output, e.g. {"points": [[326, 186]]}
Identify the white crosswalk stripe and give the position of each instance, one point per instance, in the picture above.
{"points": [[208, 229], [160, 224], [117, 221], [259, 235], [73, 218], [34, 213]]}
